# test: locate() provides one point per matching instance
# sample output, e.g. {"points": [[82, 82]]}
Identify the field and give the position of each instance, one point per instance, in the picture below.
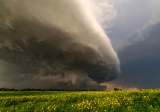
{"points": [[81, 101]]}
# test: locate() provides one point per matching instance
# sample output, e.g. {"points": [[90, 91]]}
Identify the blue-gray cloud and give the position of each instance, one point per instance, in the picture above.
{"points": [[135, 36], [140, 62], [133, 17]]}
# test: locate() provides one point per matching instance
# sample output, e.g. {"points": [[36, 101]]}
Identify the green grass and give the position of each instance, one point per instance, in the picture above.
{"points": [[84, 101]]}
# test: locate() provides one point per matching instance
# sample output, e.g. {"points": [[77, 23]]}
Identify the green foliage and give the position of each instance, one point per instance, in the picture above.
{"points": [[117, 89], [83, 101]]}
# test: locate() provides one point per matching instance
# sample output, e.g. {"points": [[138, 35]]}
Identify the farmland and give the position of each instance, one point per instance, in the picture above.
{"points": [[83, 101]]}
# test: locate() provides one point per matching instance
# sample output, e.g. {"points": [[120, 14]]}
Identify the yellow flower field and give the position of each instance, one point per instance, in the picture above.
{"points": [[81, 101]]}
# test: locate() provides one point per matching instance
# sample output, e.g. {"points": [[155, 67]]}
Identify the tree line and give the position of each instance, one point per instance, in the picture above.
{"points": [[33, 89]]}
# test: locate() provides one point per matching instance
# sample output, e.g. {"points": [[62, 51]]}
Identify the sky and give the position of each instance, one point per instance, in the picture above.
{"points": [[135, 35], [101, 44]]}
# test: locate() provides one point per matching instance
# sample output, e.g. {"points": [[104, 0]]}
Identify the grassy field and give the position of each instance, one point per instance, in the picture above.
{"points": [[83, 101]]}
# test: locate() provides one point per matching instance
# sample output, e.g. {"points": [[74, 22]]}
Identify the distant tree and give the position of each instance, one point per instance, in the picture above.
{"points": [[117, 89]]}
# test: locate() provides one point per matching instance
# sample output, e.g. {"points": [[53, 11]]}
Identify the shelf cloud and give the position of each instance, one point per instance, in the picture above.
{"points": [[54, 44]]}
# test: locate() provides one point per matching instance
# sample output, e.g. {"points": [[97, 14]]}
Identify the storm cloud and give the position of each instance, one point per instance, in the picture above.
{"points": [[53, 44]]}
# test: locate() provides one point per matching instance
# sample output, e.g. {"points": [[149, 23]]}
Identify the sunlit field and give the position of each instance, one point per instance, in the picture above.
{"points": [[81, 101]]}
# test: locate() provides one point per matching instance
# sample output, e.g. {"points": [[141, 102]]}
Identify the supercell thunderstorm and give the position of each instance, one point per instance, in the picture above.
{"points": [[53, 44]]}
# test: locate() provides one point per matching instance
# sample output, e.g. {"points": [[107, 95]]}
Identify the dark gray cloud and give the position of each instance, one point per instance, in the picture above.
{"points": [[47, 44]]}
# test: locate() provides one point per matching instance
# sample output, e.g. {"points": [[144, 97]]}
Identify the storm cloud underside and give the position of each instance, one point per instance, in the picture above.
{"points": [[53, 44]]}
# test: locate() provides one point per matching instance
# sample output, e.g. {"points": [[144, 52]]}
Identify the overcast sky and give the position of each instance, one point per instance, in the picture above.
{"points": [[135, 35]]}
